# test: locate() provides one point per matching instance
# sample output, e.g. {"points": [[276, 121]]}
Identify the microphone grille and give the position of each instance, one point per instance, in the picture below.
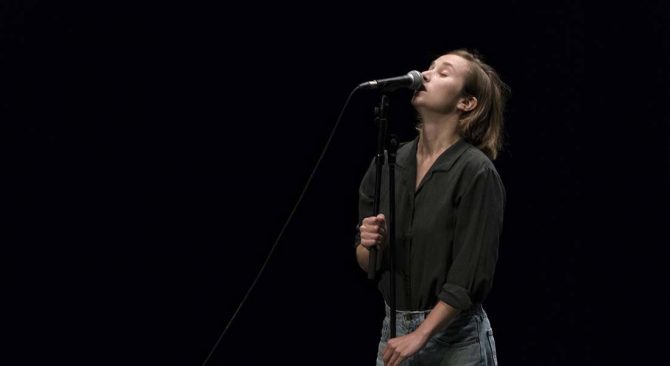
{"points": [[417, 79]]}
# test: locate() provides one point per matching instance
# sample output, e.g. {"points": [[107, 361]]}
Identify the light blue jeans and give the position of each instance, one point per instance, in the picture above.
{"points": [[468, 340]]}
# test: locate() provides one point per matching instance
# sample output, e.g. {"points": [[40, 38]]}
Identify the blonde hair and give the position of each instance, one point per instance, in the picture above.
{"points": [[483, 126]]}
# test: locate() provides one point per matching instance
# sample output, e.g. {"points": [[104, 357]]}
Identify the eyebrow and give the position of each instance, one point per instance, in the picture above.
{"points": [[444, 63]]}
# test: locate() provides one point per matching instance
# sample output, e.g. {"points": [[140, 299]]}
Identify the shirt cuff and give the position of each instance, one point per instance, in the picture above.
{"points": [[455, 296]]}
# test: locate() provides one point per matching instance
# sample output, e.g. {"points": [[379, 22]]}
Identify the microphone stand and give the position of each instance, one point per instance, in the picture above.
{"points": [[381, 122]]}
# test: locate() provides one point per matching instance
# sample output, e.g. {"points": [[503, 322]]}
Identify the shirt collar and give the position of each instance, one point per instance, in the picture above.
{"points": [[407, 157]]}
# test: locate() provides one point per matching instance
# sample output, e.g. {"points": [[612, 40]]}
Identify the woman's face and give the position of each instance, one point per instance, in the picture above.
{"points": [[442, 85]]}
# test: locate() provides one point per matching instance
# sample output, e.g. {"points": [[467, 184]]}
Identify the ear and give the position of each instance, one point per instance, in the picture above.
{"points": [[467, 103]]}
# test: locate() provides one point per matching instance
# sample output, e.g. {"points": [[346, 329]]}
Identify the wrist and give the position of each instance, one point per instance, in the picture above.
{"points": [[366, 248], [424, 333]]}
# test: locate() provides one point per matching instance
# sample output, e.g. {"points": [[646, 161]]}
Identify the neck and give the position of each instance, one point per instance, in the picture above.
{"points": [[437, 135]]}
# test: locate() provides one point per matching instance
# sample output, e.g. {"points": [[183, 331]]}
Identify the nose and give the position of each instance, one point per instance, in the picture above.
{"points": [[424, 75]]}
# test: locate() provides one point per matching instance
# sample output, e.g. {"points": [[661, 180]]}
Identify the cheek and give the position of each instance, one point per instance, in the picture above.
{"points": [[450, 90], [447, 96]]}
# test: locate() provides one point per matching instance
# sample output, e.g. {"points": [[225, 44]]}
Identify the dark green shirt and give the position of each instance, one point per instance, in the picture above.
{"points": [[447, 230]]}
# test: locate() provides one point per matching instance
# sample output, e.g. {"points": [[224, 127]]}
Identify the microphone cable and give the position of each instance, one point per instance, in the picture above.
{"points": [[281, 232]]}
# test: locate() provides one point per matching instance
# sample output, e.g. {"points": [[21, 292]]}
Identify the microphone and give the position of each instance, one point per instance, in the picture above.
{"points": [[412, 80]]}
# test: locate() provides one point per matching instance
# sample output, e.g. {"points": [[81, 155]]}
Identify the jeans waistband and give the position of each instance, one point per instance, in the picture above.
{"points": [[474, 309]]}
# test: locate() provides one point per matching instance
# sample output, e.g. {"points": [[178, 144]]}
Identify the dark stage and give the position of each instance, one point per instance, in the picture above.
{"points": [[152, 154]]}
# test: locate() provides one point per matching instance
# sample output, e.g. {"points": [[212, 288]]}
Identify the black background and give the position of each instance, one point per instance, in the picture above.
{"points": [[153, 152]]}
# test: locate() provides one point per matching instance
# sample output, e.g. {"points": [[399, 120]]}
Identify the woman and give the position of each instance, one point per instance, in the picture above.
{"points": [[449, 215]]}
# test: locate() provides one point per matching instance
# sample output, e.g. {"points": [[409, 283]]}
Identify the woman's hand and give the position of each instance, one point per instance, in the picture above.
{"points": [[373, 231], [400, 348]]}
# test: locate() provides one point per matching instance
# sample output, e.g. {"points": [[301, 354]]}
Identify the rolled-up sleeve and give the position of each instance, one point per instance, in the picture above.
{"points": [[479, 222]]}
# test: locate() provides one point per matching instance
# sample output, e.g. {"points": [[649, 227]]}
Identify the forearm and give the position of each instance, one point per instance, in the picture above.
{"points": [[363, 257], [438, 319]]}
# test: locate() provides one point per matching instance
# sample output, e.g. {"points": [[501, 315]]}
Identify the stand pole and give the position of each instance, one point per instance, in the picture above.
{"points": [[381, 121], [392, 149]]}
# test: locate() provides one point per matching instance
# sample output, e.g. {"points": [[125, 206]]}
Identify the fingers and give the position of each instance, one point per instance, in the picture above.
{"points": [[388, 352], [395, 359], [371, 239], [373, 231], [379, 220], [391, 356], [368, 243], [374, 224]]}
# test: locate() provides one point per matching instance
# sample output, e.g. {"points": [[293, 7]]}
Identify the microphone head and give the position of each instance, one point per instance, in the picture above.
{"points": [[417, 79], [412, 80]]}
